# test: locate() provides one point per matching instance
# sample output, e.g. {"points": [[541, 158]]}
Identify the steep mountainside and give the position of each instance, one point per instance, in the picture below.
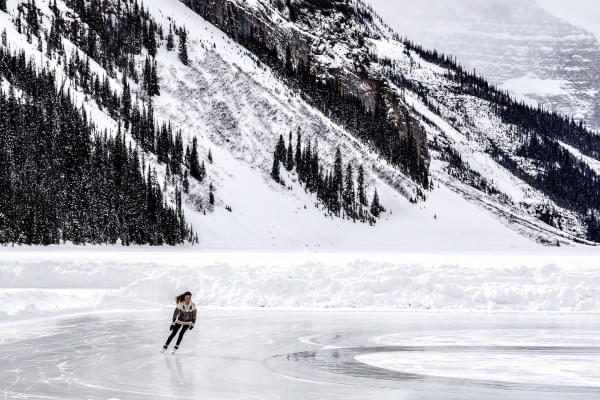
{"points": [[213, 94], [345, 39]]}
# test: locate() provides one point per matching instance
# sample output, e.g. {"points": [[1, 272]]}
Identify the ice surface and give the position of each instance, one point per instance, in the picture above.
{"points": [[265, 355], [533, 356], [531, 366]]}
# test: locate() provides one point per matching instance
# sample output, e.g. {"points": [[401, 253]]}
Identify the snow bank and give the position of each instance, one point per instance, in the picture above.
{"points": [[49, 284], [18, 304]]}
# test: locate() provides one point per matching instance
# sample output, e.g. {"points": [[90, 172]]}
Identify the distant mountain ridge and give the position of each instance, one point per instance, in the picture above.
{"points": [[518, 45]]}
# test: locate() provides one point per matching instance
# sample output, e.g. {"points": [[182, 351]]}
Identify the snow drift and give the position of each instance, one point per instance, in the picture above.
{"points": [[38, 284]]}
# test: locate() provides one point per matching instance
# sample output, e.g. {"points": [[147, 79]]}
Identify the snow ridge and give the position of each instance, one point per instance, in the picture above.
{"points": [[525, 282]]}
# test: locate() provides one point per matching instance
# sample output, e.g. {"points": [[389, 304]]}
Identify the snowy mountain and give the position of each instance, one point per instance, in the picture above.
{"points": [[517, 45], [206, 91]]}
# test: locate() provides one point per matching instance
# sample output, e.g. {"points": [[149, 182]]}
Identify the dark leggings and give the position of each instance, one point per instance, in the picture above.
{"points": [[176, 328]]}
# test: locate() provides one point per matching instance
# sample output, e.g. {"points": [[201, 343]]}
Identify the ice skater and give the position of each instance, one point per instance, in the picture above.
{"points": [[184, 318]]}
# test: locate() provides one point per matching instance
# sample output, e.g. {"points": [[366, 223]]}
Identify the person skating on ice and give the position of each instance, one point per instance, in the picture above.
{"points": [[184, 318]]}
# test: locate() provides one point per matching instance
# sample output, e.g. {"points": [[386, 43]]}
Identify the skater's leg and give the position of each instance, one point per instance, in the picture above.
{"points": [[184, 328], [172, 335]]}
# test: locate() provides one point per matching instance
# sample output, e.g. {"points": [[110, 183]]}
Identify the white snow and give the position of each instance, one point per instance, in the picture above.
{"points": [[530, 83], [55, 281], [590, 161]]}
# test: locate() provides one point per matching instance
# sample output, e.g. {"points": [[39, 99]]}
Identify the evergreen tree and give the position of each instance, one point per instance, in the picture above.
{"points": [[195, 170], [187, 156], [151, 43], [211, 194], [289, 164], [92, 47], [304, 174], [210, 157], [298, 154], [176, 154], [593, 223], [170, 39], [337, 182], [349, 196], [3, 5], [32, 17], [362, 196], [146, 79], [280, 149], [314, 169], [186, 183], [154, 79], [376, 208], [275, 168], [163, 145], [183, 54], [51, 39], [150, 78]]}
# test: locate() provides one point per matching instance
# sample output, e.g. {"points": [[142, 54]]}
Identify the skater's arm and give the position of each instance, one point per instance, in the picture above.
{"points": [[175, 314]]}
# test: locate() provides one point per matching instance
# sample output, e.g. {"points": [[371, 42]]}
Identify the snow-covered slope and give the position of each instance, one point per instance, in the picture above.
{"points": [[239, 111], [237, 108], [333, 55]]}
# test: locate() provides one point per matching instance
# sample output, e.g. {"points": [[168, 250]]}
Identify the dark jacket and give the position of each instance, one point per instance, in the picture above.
{"points": [[185, 314]]}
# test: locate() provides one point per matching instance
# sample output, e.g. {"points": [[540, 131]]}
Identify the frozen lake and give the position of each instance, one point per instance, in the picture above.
{"points": [[304, 355]]}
